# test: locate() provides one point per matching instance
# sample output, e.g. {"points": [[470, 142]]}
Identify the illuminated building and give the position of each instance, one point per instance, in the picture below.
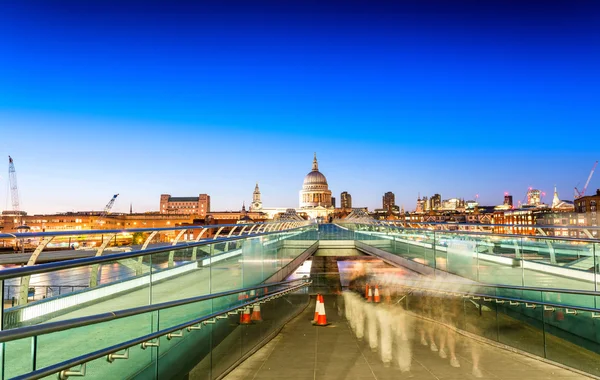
{"points": [[315, 190], [199, 205], [588, 203], [533, 197], [315, 201], [508, 200], [435, 202], [560, 205]]}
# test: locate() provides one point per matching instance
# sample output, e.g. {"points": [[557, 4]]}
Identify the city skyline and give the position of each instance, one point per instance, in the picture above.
{"points": [[371, 205], [458, 99]]}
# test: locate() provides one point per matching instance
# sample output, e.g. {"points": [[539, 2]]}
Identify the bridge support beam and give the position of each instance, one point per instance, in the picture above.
{"points": [[172, 253], [195, 249], [96, 267], [24, 287], [139, 268]]}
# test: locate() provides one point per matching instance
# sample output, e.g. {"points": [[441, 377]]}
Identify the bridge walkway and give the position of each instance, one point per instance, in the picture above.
{"points": [[303, 351]]}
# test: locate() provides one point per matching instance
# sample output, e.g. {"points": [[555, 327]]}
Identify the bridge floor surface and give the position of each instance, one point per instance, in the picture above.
{"points": [[304, 351]]}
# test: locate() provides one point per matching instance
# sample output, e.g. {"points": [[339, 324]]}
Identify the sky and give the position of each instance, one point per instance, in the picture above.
{"points": [[415, 97]]}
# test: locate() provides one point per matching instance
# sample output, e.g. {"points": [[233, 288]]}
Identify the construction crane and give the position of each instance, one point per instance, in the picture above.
{"points": [[579, 194], [14, 189], [107, 209]]}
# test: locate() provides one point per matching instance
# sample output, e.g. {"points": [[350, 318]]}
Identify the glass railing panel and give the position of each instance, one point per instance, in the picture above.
{"points": [[480, 316], [460, 256], [596, 258], [141, 364], [18, 357], [225, 268], [115, 285], [63, 345], [192, 355], [176, 276], [572, 339], [272, 255], [441, 251], [559, 263]]}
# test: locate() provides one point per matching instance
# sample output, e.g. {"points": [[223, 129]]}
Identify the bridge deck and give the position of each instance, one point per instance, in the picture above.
{"points": [[302, 351]]}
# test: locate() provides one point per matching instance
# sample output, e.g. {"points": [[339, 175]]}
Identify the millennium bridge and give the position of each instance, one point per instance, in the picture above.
{"points": [[346, 300]]}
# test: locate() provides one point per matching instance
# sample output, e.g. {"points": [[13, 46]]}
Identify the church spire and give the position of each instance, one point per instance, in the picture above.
{"points": [[555, 200], [315, 163]]}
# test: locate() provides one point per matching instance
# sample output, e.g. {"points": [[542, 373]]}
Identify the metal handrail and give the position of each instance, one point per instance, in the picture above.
{"points": [[478, 233], [65, 365], [124, 230], [522, 288], [47, 328], [502, 298], [380, 222], [49, 267]]}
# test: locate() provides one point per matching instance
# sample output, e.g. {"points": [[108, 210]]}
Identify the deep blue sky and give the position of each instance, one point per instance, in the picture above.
{"points": [[144, 98]]}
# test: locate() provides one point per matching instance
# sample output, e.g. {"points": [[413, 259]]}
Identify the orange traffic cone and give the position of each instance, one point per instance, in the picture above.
{"points": [[245, 317], [387, 296], [317, 309], [367, 291], [376, 297], [370, 295], [256, 316], [322, 318]]}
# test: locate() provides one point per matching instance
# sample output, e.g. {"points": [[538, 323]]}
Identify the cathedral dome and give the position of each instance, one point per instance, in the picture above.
{"points": [[315, 177], [315, 190]]}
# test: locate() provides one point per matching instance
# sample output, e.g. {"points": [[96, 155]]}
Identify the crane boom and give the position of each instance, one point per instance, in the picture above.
{"points": [[589, 178], [14, 189], [107, 208], [579, 194]]}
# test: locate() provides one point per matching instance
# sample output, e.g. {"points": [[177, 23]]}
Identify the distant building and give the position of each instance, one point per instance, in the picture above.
{"points": [[471, 205], [92, 220], [256, 202], [420, 205], [567, 219], [388, 201], [588, 203], [199, 205], [534, 197], [524, 217], [561, 205], [333, 202], [453, 204], [508, 200], [435, 202], [345, 200]]}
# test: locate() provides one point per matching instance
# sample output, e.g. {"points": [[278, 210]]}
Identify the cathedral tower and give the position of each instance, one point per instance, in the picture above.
{"points": [[256, 202]]}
